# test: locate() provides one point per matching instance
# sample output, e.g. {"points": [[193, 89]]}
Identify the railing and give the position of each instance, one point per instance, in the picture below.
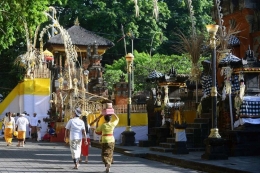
{"points": [[119, 109]]}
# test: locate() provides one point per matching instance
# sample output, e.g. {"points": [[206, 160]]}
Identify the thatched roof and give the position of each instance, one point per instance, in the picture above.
{"points": [[81, 36]]}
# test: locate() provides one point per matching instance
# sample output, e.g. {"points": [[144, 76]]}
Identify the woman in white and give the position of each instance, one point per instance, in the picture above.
{"points": [[75, 129], [9, 123], [21, 124]]}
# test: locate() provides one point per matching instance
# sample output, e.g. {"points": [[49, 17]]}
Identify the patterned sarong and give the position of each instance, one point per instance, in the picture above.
{"points": [[34, 131], [75, 148], [107, 152]]}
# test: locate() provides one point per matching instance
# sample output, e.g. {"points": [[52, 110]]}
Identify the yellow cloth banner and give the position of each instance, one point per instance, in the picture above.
{"points": [[29, 87], [35, 87], [136, 119]]}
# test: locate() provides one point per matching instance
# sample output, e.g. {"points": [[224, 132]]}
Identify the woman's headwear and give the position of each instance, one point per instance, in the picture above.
{"points": [[77, 112]]}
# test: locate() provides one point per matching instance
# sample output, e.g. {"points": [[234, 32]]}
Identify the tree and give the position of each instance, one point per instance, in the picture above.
{"points": [[106, 17], [180, 21], [14, 13], [143, 65]]}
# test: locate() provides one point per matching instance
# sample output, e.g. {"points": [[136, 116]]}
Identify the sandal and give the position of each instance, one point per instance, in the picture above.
{"points": [[86, 161], [80, 160], [18, 145], [77, 166]]}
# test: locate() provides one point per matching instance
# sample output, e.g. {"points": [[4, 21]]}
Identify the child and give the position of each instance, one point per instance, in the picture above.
{"points": [[39, 127], [85, 148], [50, 132]]}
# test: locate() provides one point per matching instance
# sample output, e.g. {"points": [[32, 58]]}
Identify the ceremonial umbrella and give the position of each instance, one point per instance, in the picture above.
{"points": [[153, 76], [230, 60]]}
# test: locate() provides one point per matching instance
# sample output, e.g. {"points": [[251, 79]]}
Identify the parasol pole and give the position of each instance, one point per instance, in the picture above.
{"points": [[230, 110], [196, 91], [227, 75]]}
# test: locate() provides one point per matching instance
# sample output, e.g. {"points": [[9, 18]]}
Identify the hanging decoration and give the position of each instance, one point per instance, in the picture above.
{"points": [[136, 8], [155, 9]]}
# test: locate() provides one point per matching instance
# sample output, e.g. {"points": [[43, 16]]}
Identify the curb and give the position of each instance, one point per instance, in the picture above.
{"points": [[174, 161]]}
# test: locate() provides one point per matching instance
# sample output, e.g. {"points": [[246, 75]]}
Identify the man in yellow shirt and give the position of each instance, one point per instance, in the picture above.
{"points": [[107, 139]]}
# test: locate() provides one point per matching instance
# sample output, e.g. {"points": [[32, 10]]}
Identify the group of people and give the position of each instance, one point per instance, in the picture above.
{"points": [[77, 131], [20, 124]]}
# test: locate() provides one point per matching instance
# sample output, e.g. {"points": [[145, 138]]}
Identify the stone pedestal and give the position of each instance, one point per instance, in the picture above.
{"points": [[244, 140], [128, 138], [162, 133], [215, 149]]}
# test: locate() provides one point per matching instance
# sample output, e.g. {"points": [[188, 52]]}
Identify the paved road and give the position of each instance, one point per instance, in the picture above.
{"points": [[39, 157]]}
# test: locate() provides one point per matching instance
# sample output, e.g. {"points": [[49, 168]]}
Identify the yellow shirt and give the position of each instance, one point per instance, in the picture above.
{"points": [[107, 130]]}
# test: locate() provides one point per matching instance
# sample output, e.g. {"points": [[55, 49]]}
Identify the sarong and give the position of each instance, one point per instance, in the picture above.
{"points": [[85, 148], [8, 135], [39, 136], [34, 131], [21, 135], [75, 148], [107, 152]]}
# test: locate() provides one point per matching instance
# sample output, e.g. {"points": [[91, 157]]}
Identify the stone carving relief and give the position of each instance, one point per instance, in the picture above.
{"points": [[250, 21], [241, 4], [256, 24], [234, 5], [250, 3], [256, 46]]}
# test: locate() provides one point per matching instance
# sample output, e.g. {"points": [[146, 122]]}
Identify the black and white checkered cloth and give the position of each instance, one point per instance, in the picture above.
{"points": [[206, 82], [250, 109], [235, 83], [155, 74], [230, 60], [233, 41]]}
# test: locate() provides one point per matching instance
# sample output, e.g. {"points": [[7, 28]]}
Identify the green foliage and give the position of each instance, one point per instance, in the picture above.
{"points": [[106, 17], [143, 65], [180, 21], [10, 73], [13, 13]]}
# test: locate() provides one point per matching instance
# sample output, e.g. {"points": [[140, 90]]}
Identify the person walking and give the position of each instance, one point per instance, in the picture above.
{"points": [[39, 127], [9, 123], [85, 148], [21, 124], [107, 139], [28, 129], [16, 117], [75, 129], [33, 126]]}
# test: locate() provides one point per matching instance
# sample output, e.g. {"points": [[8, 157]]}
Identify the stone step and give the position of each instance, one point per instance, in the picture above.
{"points": [[206, 115], [161, 149], [170, 140], [198, 125], [196, 149], [202, 120], [144, 143], [190, 130], [167, 145]]}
